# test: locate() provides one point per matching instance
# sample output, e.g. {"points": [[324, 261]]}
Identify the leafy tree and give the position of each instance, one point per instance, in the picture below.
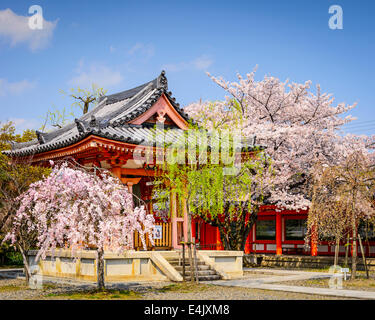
{"points": [[15, 176], [224, 194], [57, 118], [82, 99]]}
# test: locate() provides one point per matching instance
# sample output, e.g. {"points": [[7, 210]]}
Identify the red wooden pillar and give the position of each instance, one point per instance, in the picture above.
{"points": [[248, 242], [314, 242], [219, 245], [279, 250]]}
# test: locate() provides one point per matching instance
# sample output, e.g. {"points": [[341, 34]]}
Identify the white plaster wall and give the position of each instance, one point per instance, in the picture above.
{"points": [[118, 266], [87, 267]]}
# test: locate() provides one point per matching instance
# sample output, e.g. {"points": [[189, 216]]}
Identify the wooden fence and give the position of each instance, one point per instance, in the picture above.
{"points": [[164, 243]]}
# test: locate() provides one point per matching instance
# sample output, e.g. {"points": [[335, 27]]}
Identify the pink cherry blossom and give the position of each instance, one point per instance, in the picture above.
{"points": [[74, 208], [298, 125]]}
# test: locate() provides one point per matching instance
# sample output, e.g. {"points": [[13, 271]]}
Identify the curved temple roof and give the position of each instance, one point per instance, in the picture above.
{"points": [[110, 119]]}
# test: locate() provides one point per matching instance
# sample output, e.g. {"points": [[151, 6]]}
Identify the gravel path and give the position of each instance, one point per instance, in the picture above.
{"points": [[15, 289], [232, 293], [323, 283]]}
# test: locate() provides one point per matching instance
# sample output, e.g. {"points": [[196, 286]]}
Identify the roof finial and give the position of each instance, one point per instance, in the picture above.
{"points": [[40, 137], [80, 126], [93, 122], [162, 81]]}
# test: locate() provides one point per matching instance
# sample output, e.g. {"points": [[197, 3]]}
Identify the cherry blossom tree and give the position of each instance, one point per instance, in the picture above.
{"points": [[298, 125], [343, 195], [77, 209]]}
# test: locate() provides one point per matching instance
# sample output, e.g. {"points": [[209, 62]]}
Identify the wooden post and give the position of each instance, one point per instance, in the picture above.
{"points": [[130, 187], [191, 262], [183, 259], [363, 255], [347, 250], [279, 249], [187, 234], [195, 261]]}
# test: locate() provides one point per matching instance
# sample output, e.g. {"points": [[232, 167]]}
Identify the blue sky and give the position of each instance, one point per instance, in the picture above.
{"points": [[121, 44]]}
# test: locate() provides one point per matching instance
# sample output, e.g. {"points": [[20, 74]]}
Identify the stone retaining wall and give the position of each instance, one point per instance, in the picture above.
{"points": [[132, 265]]}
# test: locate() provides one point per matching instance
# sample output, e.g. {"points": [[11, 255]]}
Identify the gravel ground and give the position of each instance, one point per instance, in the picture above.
{"points": [[15, 289], [323, 283], [234, 293], [254, 275]]}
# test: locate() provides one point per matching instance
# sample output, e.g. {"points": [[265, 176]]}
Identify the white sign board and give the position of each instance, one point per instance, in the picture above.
{"points": [[158, 232]]}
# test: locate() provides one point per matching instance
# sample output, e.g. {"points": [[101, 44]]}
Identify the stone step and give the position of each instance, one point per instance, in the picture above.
{"points": [[200, 267], [205, 278], [176, 262], [200, 272], [205, 273]]}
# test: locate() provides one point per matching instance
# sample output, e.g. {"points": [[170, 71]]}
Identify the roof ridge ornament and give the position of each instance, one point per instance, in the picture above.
{"points": [[162, 81], [80, 126], [40, 137], [93, 122]]}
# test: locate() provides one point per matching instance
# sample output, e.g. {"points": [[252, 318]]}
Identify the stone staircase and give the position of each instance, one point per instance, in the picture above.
{"points": [[205, 273]]}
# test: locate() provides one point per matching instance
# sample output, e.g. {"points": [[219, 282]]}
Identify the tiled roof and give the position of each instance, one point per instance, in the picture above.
{"points": [[109, 119]]}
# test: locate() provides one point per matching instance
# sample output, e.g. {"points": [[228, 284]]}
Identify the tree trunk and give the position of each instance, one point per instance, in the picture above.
{"points": [[100, 269], [354, 228], [86, 107], [363, 255], [234, 235], [5, 219], [26, 265], [337, 248]]}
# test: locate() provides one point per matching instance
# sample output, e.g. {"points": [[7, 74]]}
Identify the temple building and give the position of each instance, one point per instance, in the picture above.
{"points": [[108, 137]]}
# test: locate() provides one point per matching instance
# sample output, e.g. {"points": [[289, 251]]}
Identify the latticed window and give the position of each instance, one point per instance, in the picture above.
{"points": [[266, 230], [295, 229]]}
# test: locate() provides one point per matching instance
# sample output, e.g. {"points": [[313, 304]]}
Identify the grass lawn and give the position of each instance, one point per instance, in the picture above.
{"points": [[98, 295], [185, 287], [8, 288]]}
